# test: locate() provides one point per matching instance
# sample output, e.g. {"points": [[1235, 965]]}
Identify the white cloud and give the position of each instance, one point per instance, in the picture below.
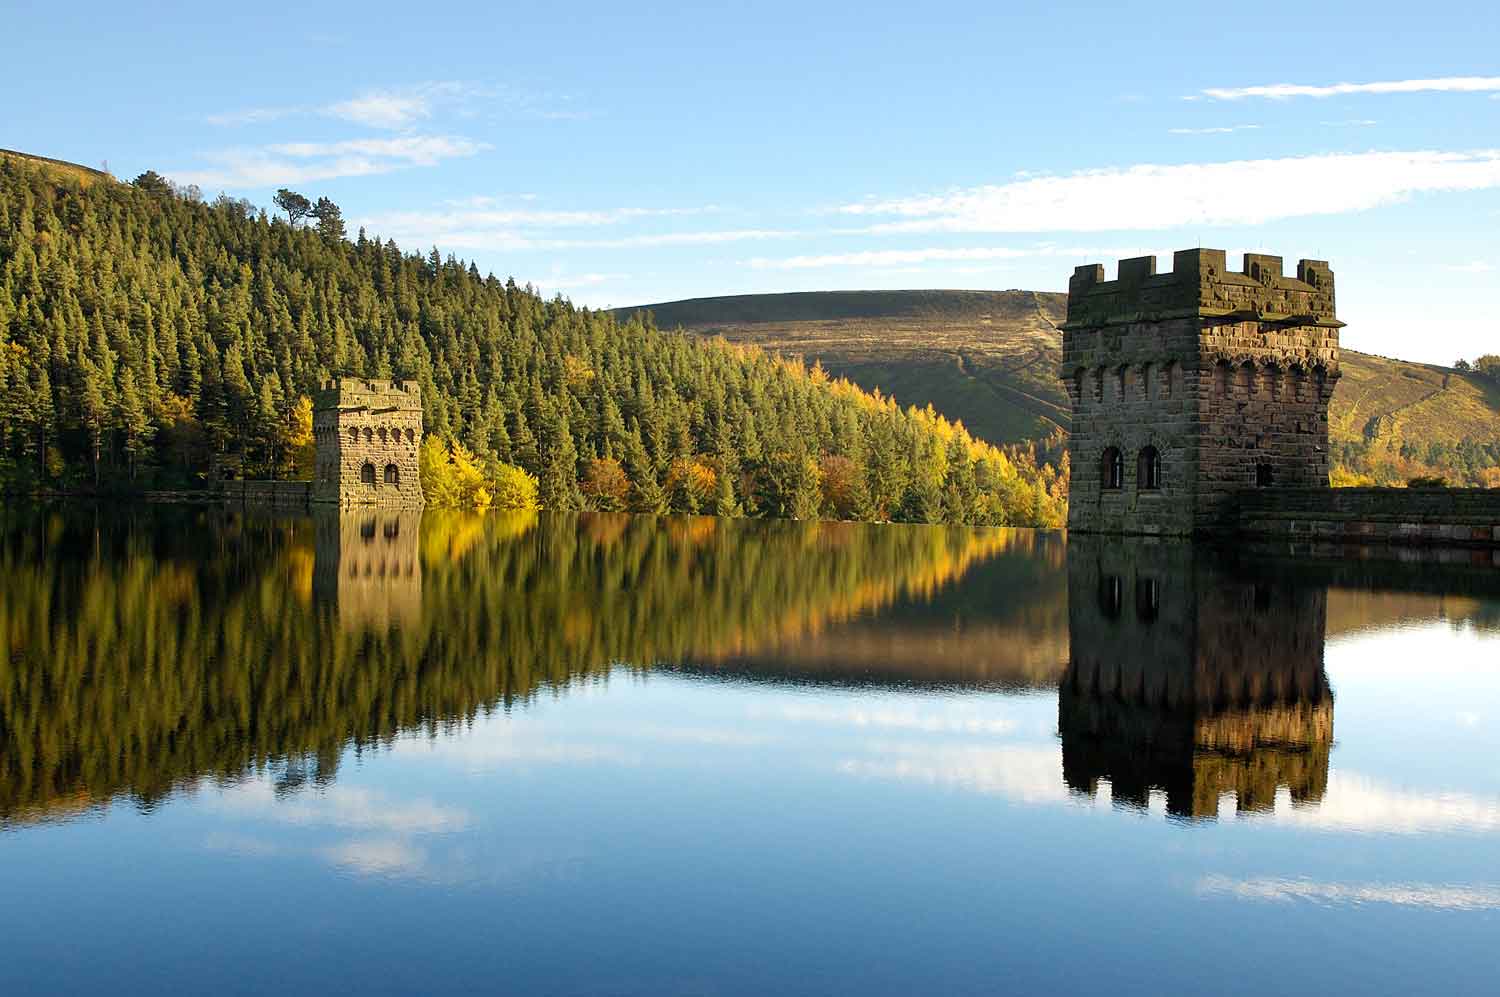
{"points": [[252, 116], [898, 257], [1283, 91], [1473, 266], [1026, 774], [1352, 123], [303, 162], [345, 807], [1150, 196], [1218, 130], [1358, 803], [383, 110], [400, 108], [1432, 896], [378, 857]]}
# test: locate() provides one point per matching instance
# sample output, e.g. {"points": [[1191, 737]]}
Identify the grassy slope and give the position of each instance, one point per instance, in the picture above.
{"points": [[84, 175], [990, 359]]}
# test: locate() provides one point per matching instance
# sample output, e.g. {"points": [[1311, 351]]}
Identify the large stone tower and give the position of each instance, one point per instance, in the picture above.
{"points": [[1190, 386], [367, 433]]}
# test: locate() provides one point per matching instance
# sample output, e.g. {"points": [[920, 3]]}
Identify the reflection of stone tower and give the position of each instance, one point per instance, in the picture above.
{"points": [[367, 566], [367, 433], [1187, 387], [1185, 679]]}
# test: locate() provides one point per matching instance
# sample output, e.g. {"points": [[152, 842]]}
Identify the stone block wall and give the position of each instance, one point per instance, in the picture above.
{"points": [[1224, 378], [1406, 516], [367, 434]]}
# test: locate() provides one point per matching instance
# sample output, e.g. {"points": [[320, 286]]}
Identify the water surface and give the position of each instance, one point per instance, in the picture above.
{"points": [[432, 754]]}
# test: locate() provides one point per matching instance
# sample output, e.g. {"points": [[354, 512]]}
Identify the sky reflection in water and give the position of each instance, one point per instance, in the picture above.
{"points": [[599, 754]]}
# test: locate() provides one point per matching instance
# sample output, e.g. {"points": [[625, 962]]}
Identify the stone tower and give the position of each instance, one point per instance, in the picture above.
{"points": [[1190, 386], [367, 433]]}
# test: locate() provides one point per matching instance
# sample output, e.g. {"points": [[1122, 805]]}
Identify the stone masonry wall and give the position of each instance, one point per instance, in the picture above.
{"points": [[1226, 376], [367, 434], [1466, 516]]}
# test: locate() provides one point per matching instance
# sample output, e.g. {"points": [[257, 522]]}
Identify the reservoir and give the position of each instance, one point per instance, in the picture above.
{"points": [[401, 752]]}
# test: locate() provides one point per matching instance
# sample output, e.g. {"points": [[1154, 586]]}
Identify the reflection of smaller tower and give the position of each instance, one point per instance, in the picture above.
{"points": [[368, 566], [1186, 679]]}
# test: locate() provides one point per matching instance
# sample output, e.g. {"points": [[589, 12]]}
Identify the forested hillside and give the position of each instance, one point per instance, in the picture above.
{"points": [[989, 358], [149, 339]]}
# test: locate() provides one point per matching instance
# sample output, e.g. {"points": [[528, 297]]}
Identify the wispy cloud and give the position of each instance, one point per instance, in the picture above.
{"points": [[1215, 130], [344, 807], [1428, 895], [402, 108], [1149, 196], [1473, 266], [901, 257], [1284, 91], [1353, 122], [303, 162]]}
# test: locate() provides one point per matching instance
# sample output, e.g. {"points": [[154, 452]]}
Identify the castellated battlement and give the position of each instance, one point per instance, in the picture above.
{"points": [[367, 433], [1201, 285], [357, 392]]}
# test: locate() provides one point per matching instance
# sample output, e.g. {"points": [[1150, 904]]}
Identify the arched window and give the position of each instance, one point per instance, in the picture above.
{"points": [[1173, 382], [1265, 476], [367, 474], [369, 435], [392, 475], [1148, 381], [1112, 469], [1098, 384], [353, 435], [1221, 378], [1111, 596], [1079, 376], [1147, 599], [1148, 469]]}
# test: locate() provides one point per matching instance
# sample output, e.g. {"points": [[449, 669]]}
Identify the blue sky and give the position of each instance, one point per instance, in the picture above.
{"points": [[627, 153]]}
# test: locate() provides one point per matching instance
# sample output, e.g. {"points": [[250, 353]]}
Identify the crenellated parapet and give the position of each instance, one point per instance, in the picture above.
{"points": [[1201, 285]]}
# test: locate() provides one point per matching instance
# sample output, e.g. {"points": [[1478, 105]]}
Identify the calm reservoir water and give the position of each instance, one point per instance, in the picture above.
{"points": [[601, 754]]}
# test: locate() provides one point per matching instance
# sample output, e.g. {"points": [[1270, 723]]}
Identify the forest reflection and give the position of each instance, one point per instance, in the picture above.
{"points": [[148, 649], [152, 648]]}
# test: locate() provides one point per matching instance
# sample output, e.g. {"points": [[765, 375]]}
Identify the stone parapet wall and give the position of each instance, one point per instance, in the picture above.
{"points": [[1421, 516], [1201, 285], [284, 494]]}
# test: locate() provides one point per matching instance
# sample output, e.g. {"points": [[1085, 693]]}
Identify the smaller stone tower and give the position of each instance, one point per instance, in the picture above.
{"points": [[367, 433]]}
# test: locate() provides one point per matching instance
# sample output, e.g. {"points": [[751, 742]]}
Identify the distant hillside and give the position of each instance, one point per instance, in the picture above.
{"points": [[84, 175], [990, 358], [987, 357]]}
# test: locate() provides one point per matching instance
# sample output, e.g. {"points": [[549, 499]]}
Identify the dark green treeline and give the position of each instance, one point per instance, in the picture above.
{"points": [[147, 650], [149, 340]]}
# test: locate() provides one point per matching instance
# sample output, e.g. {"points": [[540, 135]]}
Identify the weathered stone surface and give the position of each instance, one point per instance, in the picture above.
{"points": [[367, 433], [1460, 516], [1226, 377]]}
